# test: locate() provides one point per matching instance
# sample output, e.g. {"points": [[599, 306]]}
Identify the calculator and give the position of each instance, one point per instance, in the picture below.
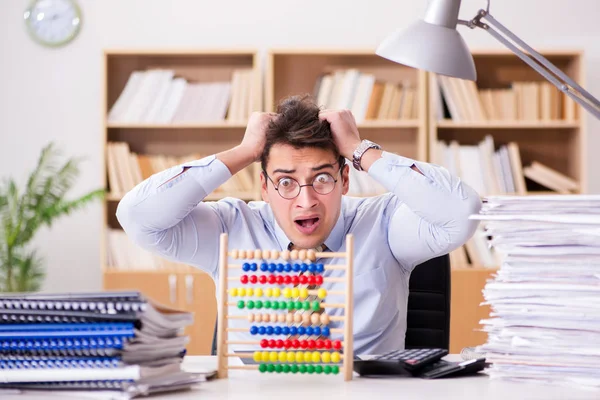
{"points": [[399, 362]]}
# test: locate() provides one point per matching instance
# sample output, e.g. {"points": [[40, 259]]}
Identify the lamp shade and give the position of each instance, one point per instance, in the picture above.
{"points": [[430, 47]]}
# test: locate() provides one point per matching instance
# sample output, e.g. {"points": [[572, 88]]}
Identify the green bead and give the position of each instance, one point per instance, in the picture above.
{"points": [[278, 368], [291, 304], [306, 305], [270, 368], [316, 306], [282, 304], [241, 304], [267, 304], [294, 369], [250, 304], [262, 368], [327, 369], [285, 368], [335, 370], [310, 369], [318, 369], [298, 305], [302, 369], [258, 304], [275, 305]]}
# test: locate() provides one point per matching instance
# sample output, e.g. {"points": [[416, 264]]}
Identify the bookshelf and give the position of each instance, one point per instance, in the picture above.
{"points": [[161, 108]]}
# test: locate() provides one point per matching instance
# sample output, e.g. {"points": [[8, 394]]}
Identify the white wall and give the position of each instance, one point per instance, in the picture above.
{"points": [[55, 94]]}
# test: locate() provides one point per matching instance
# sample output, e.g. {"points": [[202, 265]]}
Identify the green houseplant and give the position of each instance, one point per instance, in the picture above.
{"points": [[24, 212]]}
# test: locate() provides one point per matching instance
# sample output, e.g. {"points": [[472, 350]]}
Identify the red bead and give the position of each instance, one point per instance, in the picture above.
{"points": [[244, 279], [327, 344], [311, 280], [271, 344], [271, 279], [279, 343], [279, 280], [264, 343], [303, 280], [311, 344], [287, 279], [253, 279], [337, 344], [295, 280], [320, 344], [303, 344], [319, 280], [262, 279], [296, 343], [287, 343]]}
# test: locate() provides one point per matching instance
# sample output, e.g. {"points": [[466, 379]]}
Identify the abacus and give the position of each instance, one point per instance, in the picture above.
{"points": [[320, 356]]}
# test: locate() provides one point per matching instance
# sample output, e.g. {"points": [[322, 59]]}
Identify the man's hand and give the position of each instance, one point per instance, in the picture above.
{"points": [[255, 135], [344, 130]]}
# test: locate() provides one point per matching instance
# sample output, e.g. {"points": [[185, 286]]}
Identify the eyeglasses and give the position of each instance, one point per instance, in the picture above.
{"points": [[289, 188]]}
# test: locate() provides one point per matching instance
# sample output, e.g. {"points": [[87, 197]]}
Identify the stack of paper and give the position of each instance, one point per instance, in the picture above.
{"points": [[545, 298], [79, 341]]}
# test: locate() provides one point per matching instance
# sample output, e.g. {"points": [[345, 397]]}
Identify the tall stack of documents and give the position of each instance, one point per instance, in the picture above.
{"points": [[115, 341], [545, 298]]}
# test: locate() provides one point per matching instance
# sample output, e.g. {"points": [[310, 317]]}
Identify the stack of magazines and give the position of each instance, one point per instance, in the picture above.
{"points": [[115, 341], [545, 298]]}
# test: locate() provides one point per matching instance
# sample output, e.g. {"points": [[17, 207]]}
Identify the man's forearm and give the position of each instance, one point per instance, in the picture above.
{"points": [[236, 159]]}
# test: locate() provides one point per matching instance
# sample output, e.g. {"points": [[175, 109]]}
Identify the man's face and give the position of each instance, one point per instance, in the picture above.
{"points": [[307, 219]]}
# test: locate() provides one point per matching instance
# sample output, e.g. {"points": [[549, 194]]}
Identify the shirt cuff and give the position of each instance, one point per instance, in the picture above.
{"points": [[209, 172], [381, 168]]}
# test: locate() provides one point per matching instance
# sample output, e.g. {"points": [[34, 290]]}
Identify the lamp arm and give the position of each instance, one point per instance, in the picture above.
{"points": [[564, 83]]}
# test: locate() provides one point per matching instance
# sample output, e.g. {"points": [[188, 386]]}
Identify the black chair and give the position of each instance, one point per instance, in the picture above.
{"points": [[428, 310]]}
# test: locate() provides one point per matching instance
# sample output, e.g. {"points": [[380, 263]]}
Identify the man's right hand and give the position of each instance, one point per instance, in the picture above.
{"points": [[255, 135]]}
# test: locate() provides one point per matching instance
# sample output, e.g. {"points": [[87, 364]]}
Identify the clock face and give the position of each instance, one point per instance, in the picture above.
{"points": [[53, 22]]}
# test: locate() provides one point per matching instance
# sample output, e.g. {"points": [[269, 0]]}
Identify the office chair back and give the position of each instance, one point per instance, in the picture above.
{"points": [[428, 311]]}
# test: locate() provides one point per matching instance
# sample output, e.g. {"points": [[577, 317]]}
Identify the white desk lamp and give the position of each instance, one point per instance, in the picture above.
{"points": [[433, 44]]}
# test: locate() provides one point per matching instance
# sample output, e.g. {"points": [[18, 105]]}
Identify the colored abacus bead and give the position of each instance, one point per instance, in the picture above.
{"points": [[317, 330], [305, 319], [306, 306], [289, 318], [285, 330], [295, 343], [327, 369], [295, 292], [250, 304], [285, 368], [234, 254], [249, 291], [261, 330], [302, 369], [272, 267], [318, 279], [268, 330], [297, 267], [282, 356], [287, 344], [253, 330], [287, 279], [310, 369], [279, 343], [314, 319], [287, 293], [294, 369], [265, 318], [324, 319], [303, 293], [302, 255], [262, 368], [291, 357], [244, 279], [312, 280], [279, 279], [273, 357], [337, 344], [303, 279], [253, 279], [327, 344], [276, 292], [264, 343], [282, 317], [311, 255], [272, 343], [270, 368], [277, 330], [262, 279], [264, 267], [316, 306], [311, 267], [326, 357], [321, 293], [233, 292], [271, 279], [311, 344], [285, 255], [295, 280], [267, 303], [294, 254], [240, 304], [335, 357], [242, 254], [319, 344], [250, 317], [288, 267], [318, 369], [257, 356], [335, 369]]}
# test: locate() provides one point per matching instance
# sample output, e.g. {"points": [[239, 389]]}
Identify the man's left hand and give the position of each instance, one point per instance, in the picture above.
{"points": [[344, 130]]}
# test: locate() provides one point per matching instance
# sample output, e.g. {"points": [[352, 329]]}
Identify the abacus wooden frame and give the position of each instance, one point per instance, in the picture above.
{"points": [[222, 331]]}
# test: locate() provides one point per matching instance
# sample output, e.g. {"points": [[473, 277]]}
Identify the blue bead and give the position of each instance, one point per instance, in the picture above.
{"points": [[301, 330], [280, 267], [253, 330], [269, 330], [253, 267], [286, 331], [320, 268], [304, 268], [309, 330], [317, 330], [277, 330], [293, 330], [288, 267], [246, 267], [297, 268], [261, 330], [312, 267], [264, 267], [326, 332], [272, 267]]}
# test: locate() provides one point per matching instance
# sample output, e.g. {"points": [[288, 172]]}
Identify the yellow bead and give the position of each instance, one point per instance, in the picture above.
{"points": [[295, 292], [325, 357], [307, 356], [322, 293], [258, 292], [316, 357], [282, 356], [335, 357], [249, 292], [269, 292], [287, 293], [276, 292], [273, 356], [299, 357], [242, 292], [291, 357], [264, 356], [233, 292], [303, 293], [257, 356]]}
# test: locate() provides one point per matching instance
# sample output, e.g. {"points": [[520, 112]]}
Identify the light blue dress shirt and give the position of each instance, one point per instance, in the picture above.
{"points": [[421, 217]]}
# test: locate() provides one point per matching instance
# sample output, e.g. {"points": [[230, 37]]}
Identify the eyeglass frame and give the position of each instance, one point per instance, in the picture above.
{"points": [[307, 184]]}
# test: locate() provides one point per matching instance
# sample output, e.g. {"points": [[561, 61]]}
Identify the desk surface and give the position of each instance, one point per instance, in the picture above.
{"points": [[251, 385]]}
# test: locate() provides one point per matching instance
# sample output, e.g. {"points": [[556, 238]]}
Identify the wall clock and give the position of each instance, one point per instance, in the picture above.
{"points": [[53, 23]]}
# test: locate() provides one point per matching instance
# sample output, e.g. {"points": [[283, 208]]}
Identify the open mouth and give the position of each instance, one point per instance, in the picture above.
{"points": [[307, 225]]}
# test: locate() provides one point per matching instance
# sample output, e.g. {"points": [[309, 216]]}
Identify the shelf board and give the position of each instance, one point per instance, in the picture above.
{"points": [[210, 197], [450, 124], [406, 123], [192, 125]]}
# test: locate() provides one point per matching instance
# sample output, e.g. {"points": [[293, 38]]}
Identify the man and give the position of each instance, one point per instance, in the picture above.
{"points": [[302, 151]]}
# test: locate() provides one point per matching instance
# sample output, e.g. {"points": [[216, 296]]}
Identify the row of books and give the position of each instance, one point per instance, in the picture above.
{"points": [[159, 96], [462, 100], [126, 169], [491, 171], [116, 341], [368, 97], [123, 254]]}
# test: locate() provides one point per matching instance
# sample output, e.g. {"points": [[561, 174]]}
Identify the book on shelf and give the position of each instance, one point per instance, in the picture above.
{"points": [[475, 253], [366, 96], [160, 96], [461, 100]]}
